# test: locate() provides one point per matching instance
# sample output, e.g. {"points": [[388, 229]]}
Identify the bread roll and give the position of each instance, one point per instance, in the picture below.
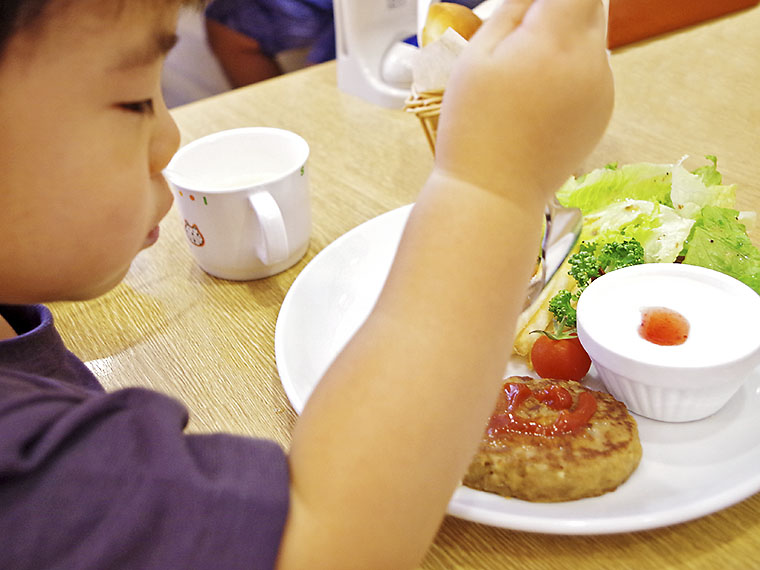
{"points": [[444, 15]]}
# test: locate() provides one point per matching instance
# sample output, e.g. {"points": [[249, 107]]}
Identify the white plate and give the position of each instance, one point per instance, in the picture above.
{"points": [[687, 470]]}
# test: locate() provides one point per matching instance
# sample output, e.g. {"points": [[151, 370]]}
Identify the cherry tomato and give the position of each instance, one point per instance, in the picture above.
{"points": [[563, 359]]}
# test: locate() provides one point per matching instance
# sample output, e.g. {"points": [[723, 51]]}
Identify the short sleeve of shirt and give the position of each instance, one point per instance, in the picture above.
{"points": [[90, 479]]}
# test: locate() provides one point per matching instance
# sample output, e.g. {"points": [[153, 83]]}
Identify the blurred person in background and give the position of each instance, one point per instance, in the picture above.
{"points": [[255, 40]]}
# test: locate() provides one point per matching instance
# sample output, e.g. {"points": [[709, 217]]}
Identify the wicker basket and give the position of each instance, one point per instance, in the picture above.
{"points": [[427, 107]]}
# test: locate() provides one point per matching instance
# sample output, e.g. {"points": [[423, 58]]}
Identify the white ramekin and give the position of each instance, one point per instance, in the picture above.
{"points": [[676, 383]]}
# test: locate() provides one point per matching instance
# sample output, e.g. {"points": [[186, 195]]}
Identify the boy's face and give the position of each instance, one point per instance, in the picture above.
{"points": [[84, 135]]}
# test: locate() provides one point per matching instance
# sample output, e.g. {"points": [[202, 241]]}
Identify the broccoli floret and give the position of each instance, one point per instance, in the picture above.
{"points": [[561, 306], [590, 262], [584, 266], [616, 255], [594, 260]]}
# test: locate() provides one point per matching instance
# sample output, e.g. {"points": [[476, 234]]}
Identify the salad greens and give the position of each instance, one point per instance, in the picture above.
{"points": [[674, 214], [653, 213], [718, 241], [605, 186]]}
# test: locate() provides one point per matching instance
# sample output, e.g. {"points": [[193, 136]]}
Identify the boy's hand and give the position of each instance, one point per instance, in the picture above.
{"points": [[529, 97]]}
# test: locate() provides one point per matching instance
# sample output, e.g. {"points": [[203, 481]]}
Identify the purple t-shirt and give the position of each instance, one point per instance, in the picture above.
{"points": [[90, 479]]}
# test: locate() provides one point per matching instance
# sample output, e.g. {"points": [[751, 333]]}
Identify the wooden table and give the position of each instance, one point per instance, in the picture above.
{"points": [[209, 342]]}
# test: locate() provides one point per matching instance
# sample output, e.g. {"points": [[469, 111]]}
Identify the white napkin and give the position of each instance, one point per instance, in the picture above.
{"points": [[434, 62]]}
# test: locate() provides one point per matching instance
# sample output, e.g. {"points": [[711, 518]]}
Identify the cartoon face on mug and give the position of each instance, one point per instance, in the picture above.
{"points": [[194, 235]]}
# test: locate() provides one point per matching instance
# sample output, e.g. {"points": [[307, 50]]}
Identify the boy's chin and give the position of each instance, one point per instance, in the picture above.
{"points": [[93, 290], [52, 290]]}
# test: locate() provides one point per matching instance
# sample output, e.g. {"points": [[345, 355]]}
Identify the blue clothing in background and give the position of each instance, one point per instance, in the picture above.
{"points": [[281, 25]]}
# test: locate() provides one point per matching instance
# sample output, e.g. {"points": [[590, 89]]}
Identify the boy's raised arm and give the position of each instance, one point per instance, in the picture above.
{"points": [[392, 426]]}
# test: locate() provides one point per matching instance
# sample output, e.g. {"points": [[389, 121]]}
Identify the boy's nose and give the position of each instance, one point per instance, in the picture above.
{"points": [[166, 138]]}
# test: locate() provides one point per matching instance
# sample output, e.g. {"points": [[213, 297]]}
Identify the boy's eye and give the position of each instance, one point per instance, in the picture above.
{"points": [[143, 107]]}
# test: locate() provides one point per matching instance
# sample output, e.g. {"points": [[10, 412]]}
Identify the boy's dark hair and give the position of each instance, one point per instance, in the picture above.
{"points": [[16, 15]]}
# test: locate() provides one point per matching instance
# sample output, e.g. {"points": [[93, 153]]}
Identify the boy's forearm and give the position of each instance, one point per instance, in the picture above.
{"points": [[408, 398], [393, 424]]}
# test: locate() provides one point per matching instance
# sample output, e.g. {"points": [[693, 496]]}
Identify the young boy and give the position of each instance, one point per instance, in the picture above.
{"points": [[90, 479]]}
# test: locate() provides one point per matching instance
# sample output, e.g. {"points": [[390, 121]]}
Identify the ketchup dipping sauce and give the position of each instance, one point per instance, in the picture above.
{"points": [[674, 342], [663, 326]]}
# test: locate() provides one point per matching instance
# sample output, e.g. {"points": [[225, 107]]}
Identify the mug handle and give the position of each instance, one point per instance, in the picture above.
{"points": [[274, 243]]}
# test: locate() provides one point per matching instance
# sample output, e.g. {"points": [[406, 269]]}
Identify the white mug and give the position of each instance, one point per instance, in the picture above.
{"points": [[244, 197]]}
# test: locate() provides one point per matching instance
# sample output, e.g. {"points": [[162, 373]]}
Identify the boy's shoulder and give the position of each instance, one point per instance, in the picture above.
{"points": [[123, 458]]}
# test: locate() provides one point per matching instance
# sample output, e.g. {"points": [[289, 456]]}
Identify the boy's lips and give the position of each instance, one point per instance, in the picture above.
{"points": [[152, 237], [153, 234]]}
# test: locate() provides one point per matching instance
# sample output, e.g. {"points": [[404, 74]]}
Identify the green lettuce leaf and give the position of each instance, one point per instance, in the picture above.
{"points": [[709, 172], [719, 241], [660, 230], [691, 191], [604, 186]]}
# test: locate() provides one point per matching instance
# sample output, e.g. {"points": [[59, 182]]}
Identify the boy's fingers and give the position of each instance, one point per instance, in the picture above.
{"points": [[571, 16], [502, 22], [554, 16]]}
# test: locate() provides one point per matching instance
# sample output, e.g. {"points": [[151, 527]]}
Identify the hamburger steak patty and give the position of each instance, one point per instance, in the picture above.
{"points": [[541, 446]]}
